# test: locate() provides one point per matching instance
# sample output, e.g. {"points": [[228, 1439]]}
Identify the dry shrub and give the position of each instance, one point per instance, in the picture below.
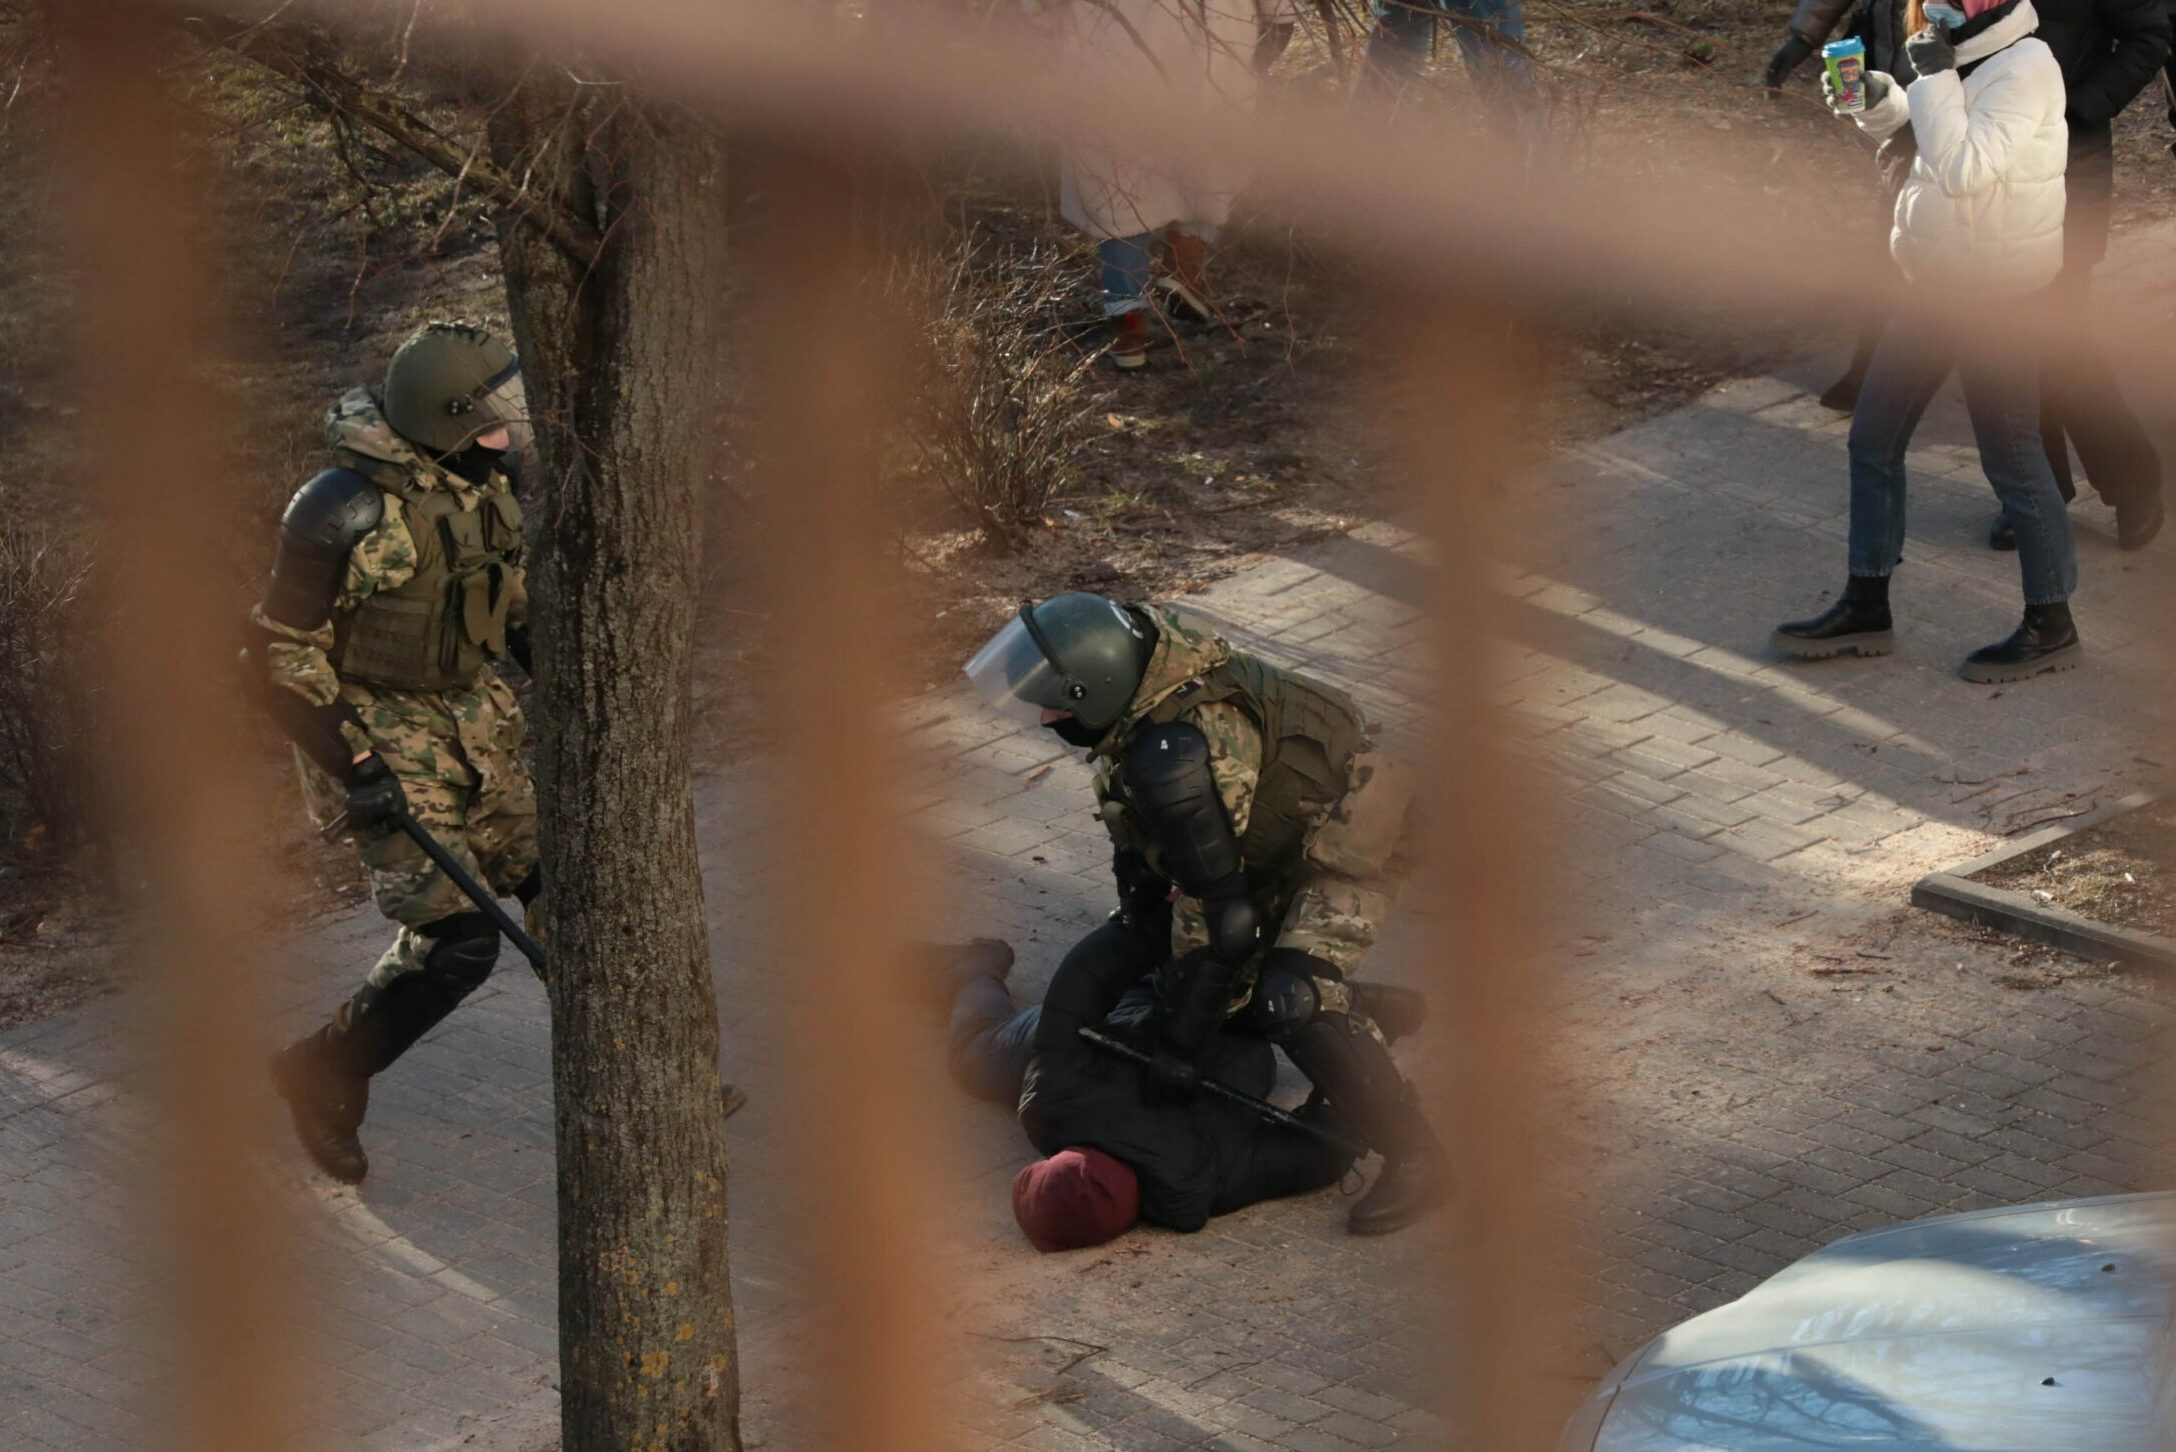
{"points": [[998, 413], [45, 686]]}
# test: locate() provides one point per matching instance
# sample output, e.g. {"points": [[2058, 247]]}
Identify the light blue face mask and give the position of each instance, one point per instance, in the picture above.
{"points": [[1948, 17]]}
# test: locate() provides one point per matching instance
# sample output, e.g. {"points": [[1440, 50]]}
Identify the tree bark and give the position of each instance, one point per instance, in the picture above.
{"points": [[618, 358]]}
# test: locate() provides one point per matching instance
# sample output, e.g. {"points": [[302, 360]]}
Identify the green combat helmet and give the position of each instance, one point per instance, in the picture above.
{"points": [[452, 381], [1077, 653]]}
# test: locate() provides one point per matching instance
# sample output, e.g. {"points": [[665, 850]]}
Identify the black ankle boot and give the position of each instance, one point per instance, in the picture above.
{"points": [[1857, 624], [2002, 536], [1416, 1177], [327, 1101], [2045, 641], [2139, 520], [1843, 394]]}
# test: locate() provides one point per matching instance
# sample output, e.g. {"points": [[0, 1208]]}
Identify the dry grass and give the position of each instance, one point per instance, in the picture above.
{"points": [[46, 747], [998, 412]]}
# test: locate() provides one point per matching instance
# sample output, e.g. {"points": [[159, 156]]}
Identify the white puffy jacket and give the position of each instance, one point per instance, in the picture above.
{"points": [[1983, 206]]}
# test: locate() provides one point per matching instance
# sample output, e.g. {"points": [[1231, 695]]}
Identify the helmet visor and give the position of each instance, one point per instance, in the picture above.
{"points": [[505, 403], [1012, 675]]}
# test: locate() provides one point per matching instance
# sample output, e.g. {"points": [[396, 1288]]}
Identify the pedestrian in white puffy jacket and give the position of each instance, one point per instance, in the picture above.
{"points": [[1979, 217], [1155, 218]]}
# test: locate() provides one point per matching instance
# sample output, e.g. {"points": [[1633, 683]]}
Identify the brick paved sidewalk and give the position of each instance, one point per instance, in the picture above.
{"points": [[1743, 828]]}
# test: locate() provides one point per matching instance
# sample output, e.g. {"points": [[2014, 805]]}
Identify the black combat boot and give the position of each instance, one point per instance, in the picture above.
{"points": [[327, 1101], [1398, 1012], [2139, 520], [1857, 624], [1352, 1068], [1416, 1173], [1843, 394], [2045, 641]]}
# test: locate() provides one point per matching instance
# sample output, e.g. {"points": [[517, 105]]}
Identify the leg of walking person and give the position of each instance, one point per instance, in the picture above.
{"points": [[2001, 395], [1503, 72], [2082, 400], [1908, 366], [1123, 269], [1396, 51]]}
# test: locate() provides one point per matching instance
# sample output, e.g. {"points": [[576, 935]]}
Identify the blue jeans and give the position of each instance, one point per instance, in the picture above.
{"points": [[991, 1040], [1123, 266], [2002, 395], [1403, 29]]}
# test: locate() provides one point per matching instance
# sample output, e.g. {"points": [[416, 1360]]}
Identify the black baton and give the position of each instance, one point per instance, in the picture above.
{"points": [[470, 888], [1259, 1107]]}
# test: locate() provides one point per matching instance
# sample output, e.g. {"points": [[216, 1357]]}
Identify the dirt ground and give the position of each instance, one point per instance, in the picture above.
{"points": [[1242, 440], [2117, 872]]}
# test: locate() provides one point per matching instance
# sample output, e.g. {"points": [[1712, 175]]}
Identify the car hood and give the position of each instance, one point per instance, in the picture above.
{"points": [[2026, 1330]]}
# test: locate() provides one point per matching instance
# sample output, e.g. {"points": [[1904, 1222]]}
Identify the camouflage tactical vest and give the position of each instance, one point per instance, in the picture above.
{"points": [[1310, 735], [447, 621]]}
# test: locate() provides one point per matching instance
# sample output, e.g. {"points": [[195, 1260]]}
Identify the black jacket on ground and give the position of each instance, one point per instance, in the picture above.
{"points": [[1194, 1160]]}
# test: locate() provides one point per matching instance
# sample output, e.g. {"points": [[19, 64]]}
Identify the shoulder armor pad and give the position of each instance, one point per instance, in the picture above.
{"points": [[1170, 780], [1175, 751], [334, 511], [325, 519]]}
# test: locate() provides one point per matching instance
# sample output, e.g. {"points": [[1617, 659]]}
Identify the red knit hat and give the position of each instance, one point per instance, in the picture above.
{"points": [[1076, 1198]]}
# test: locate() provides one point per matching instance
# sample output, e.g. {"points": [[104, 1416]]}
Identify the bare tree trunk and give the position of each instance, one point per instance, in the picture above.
{"points": [[618, 356]]}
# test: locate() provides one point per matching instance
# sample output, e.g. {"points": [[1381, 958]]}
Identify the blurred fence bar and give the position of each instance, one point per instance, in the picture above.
{"points": [[865, 1143], [174, 792], [1466, 381]]}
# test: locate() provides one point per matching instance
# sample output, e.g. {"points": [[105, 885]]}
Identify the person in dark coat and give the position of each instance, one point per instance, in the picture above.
{"points": [[1115, 1151], [2110, 50]]}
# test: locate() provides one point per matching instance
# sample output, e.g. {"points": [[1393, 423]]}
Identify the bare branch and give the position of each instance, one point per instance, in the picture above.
{"points": [[290, 50]]}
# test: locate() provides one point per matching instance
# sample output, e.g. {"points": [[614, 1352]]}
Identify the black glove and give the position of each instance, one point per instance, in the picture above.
{"points": [[374, 795], [517, 646], [1789, 57], [1172, 1078], [1930, 51]]}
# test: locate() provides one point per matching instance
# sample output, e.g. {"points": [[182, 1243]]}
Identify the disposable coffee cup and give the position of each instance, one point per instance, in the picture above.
{"points": [[1846, 62]]}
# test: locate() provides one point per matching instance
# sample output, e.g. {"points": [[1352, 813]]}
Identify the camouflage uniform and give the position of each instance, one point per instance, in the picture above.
{"points": [[1326, 894], [456, 751]]}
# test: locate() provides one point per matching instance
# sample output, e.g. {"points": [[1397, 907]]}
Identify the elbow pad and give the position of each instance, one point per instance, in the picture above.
{"points": [[1168, 781], [1144, 898], [327, 517]]}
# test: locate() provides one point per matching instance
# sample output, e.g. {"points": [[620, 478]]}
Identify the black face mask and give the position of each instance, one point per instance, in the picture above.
{"points": [[476, 462], [1075, 732]]}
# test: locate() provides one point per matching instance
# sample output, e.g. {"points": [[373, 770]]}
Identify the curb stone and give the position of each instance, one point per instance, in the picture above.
{"points": [[1953, 893]]}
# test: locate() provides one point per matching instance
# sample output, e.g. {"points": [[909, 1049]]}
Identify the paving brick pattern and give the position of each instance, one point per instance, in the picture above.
{"points": [[1765, 1050]]}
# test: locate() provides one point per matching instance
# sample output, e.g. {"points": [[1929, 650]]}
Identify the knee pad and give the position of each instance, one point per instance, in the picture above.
{"points": [[1284, 1002], [464, 949], [1285, 997]]}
